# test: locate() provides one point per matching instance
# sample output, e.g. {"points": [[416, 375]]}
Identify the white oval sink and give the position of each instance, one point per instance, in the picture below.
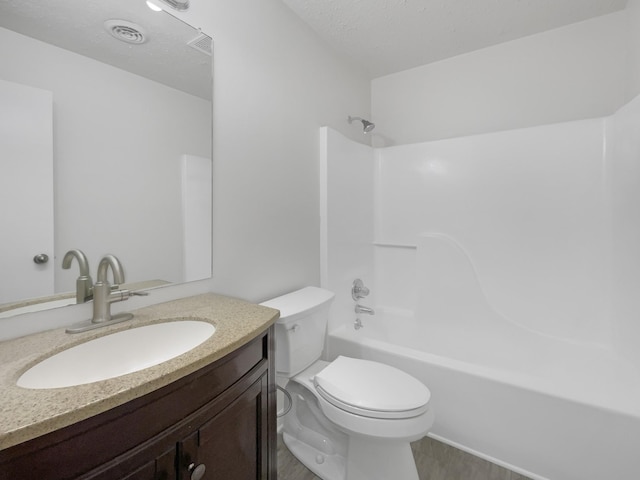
{"points": [[117, 354]]}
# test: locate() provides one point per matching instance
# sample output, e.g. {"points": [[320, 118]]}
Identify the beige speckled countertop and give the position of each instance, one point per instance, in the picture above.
{"points": [[27, 413]]}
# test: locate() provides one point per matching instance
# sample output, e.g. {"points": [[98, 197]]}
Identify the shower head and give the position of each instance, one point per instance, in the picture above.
{"points": [[367, 126]]}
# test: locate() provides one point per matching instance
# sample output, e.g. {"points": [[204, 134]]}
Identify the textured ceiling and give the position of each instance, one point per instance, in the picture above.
{"points": [[387, 36], [78, 25]]}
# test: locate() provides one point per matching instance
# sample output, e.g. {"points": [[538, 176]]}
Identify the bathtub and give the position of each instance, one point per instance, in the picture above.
{"points": [[543, 407]]}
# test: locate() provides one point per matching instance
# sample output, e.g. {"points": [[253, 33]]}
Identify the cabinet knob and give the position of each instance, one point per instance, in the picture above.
{"points": [[197, 471]]}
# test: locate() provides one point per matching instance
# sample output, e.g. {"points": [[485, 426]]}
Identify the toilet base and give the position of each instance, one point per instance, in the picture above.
{"points": [[332, 454], [325, 466], [312, 438], [366, 460], [372, 459]]}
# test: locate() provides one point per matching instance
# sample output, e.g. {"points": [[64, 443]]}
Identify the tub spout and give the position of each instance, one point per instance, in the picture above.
{"points": [[362, 309]]}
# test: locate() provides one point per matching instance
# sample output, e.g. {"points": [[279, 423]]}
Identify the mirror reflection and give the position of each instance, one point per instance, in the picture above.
{"points": [[105, 144]]}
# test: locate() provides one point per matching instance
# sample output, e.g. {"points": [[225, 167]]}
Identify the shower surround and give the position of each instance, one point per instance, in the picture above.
{"points": [[505, 271]]}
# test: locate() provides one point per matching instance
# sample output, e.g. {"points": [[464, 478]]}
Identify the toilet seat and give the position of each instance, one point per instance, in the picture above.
{"points": [[371, 389]]}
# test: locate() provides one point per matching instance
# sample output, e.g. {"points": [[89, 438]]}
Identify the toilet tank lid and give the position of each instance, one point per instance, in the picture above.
{"points": [[303, 301]]}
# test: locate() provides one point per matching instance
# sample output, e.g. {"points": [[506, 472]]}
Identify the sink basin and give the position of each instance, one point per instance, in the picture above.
{"points": [[117, 354]]}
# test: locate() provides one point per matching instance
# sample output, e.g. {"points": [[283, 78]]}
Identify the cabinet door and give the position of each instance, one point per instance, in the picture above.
{"points": [[233, 444]]}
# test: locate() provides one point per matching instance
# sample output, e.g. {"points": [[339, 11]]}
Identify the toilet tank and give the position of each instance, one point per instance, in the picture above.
{"points": [[301, 328]]}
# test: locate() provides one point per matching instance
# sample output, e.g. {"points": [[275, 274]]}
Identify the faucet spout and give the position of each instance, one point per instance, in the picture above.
{"points": [[84, 284], [116, 267], [362, 309], [82, 261], [102, 294]]}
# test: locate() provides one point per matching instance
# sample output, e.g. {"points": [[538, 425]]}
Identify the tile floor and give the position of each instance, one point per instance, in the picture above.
{"points": [[435, 461]]}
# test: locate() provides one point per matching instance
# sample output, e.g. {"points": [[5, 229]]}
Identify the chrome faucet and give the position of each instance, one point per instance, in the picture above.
{"points": [[84, 284], [362, 309], [358, 291], [104, 295]]}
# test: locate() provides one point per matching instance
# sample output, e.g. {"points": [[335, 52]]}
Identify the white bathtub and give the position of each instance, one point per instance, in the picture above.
{"points": [[546, 408]]}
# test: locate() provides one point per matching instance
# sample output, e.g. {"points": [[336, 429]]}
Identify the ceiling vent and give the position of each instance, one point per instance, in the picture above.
{"points": [[179, 5], [126, 31], [203, 43]]}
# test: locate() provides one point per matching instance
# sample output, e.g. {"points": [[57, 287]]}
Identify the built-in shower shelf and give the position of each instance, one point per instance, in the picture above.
{"points": [[394, 245]]}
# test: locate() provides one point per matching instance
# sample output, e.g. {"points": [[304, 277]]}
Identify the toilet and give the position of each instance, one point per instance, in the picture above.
{"points": [[350, 419]]}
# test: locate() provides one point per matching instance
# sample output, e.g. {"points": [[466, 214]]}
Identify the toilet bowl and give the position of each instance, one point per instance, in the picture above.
{"points": [[350, 419]]}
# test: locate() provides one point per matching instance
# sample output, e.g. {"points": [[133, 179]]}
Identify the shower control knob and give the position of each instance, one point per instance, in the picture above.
{"points": [[358, 290], [41, 258]]}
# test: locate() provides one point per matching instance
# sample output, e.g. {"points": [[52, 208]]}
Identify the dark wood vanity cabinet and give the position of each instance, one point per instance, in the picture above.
{"points": [[215, 424], [230, 443]]}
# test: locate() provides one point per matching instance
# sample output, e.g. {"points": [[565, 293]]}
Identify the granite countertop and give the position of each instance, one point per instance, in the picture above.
{"points": [[28, 413]]}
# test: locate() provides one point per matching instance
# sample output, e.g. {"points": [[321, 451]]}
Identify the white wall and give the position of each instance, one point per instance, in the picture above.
{"points": [[275, 84], [117, 158], [574, 72]]}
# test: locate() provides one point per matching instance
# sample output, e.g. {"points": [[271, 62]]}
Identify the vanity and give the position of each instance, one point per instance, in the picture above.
{"points": [[209, 413]]}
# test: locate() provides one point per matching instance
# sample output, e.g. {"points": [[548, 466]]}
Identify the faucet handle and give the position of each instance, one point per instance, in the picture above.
{"points": [[138, 293], [118, 295], [358, 290]]}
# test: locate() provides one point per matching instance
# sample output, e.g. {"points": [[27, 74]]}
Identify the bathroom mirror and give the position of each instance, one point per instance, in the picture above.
{"points": [[112, 102]]}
